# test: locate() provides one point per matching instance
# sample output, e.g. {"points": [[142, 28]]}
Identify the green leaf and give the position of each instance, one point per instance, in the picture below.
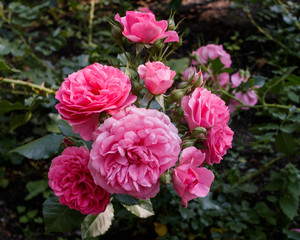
{"points": [[5, 68], [32, 213], [207, 202], [66, 129], [294, 79], [294, 235], [147, 97], [58, 217], [289, 205], [285, 143], [290, 127], [178, 65], [19, 120], [35, 188], [272, 199], [258, 80], [293, 97], [217, 65], [274, 185], [248, 187], [94, 226], [143, 209], [6, 106], [126, 199], [139, 48], [187, 213], [160, 100], [23, 219], [41, 148]]}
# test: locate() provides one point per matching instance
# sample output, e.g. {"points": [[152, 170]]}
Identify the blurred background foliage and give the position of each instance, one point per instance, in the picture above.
{"points": [[256, 191]]}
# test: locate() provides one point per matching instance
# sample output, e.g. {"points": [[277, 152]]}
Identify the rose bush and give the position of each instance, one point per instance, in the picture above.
{"points": [[86, 93], [132, 149], [157, 77], [189, 179], [70, 179], [143, 28]]}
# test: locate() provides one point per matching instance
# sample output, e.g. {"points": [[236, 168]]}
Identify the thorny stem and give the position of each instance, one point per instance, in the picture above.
{"points": [[92, 10], [277, 82], [41, 88], [288, 12], [269, 36], [250, 176], [18, 32]]}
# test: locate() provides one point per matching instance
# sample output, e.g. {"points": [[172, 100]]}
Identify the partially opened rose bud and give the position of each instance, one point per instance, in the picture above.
{"points": [[116, 33], [165, 178], [171, 23], [199, 132], [199, 80], [177, 94], [187, 143], [157, 46], [157, 77]]}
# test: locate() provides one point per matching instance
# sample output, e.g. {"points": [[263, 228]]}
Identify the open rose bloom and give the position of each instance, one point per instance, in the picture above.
{"points": [[132, 149], [90, 91], [143, 28], [71, 180], [189, 179], [211, 52]]}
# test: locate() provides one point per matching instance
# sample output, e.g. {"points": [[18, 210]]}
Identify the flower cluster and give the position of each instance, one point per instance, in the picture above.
{"points": [[210, 52], [202, 61], [246, 95], [137, 139]]}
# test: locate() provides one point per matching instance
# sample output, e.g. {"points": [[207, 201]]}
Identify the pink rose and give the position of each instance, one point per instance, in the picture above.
{"points": [[189, 179], [212, 51], [223, 78], [132, 149], [157, 77], [90, 91], [218, 140], [249, 98], [70, 179], [143, 28], [204, 109], [190, 71], [237, 79]]}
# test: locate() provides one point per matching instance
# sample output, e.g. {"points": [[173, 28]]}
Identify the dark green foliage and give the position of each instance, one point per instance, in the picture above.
{"points": [[256, 190]]}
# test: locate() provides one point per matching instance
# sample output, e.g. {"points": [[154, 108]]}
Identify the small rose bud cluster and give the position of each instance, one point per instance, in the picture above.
{"points": [[242, 91], [205, 55]]}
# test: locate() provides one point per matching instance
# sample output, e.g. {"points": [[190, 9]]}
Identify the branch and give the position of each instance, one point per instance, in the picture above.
{"points": [[40, 88], [90, 37]]}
